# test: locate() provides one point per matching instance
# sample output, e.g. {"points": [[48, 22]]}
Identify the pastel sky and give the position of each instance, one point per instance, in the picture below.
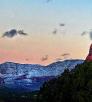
{"points": [[39, 18]]}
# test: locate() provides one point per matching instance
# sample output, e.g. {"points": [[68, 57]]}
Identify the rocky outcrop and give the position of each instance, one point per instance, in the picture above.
{"points": [[89, 57]]}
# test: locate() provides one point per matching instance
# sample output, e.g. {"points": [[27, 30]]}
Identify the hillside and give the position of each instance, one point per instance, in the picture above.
{"points": [[71, 86], [30, 77], [17, 88]]}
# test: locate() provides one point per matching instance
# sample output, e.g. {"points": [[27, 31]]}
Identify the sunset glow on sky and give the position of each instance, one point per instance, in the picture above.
{"points": [[39, 18]]}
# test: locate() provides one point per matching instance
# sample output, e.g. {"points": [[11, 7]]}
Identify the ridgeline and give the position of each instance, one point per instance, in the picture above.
{"points": [[70, 86]]}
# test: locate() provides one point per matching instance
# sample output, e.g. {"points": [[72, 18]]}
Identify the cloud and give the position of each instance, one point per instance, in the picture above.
{"points": [[27, 59], [44, 58], [65, 55], [58, 59], [87, 32], [10, 34], [48, 1], [21, 32], [13, 32], [62, 24], [55, 31], [90, 34], [84, 33]]}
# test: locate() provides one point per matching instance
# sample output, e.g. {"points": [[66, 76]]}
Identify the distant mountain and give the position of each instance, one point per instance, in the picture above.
{"points": [[32, 76], [31, 70]]}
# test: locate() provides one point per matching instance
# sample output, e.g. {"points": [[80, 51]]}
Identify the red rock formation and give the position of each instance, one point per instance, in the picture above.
{"points": [[89, 57]]}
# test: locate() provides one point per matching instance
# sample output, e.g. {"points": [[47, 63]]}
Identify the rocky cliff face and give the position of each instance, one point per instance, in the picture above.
{"points": [[89, 57]]}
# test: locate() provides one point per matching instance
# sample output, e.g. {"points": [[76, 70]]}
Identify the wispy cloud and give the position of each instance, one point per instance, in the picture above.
{"points": [[84, 33], [87, 32], [21, 32], [90, 34], [44, 58], [58, 59], [48, 1], [62, 24], [56, 30], [65, 55]]}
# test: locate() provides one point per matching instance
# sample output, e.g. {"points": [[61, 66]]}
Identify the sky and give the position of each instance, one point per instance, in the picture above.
{"points": [[38, 18]]}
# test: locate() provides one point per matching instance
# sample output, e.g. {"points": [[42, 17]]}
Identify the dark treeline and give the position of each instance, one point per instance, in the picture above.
{"points": [[9, 95], [71, 86]]}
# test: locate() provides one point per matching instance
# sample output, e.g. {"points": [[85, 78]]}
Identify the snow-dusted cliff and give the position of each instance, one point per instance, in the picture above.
{"points": [[32, 76]]}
